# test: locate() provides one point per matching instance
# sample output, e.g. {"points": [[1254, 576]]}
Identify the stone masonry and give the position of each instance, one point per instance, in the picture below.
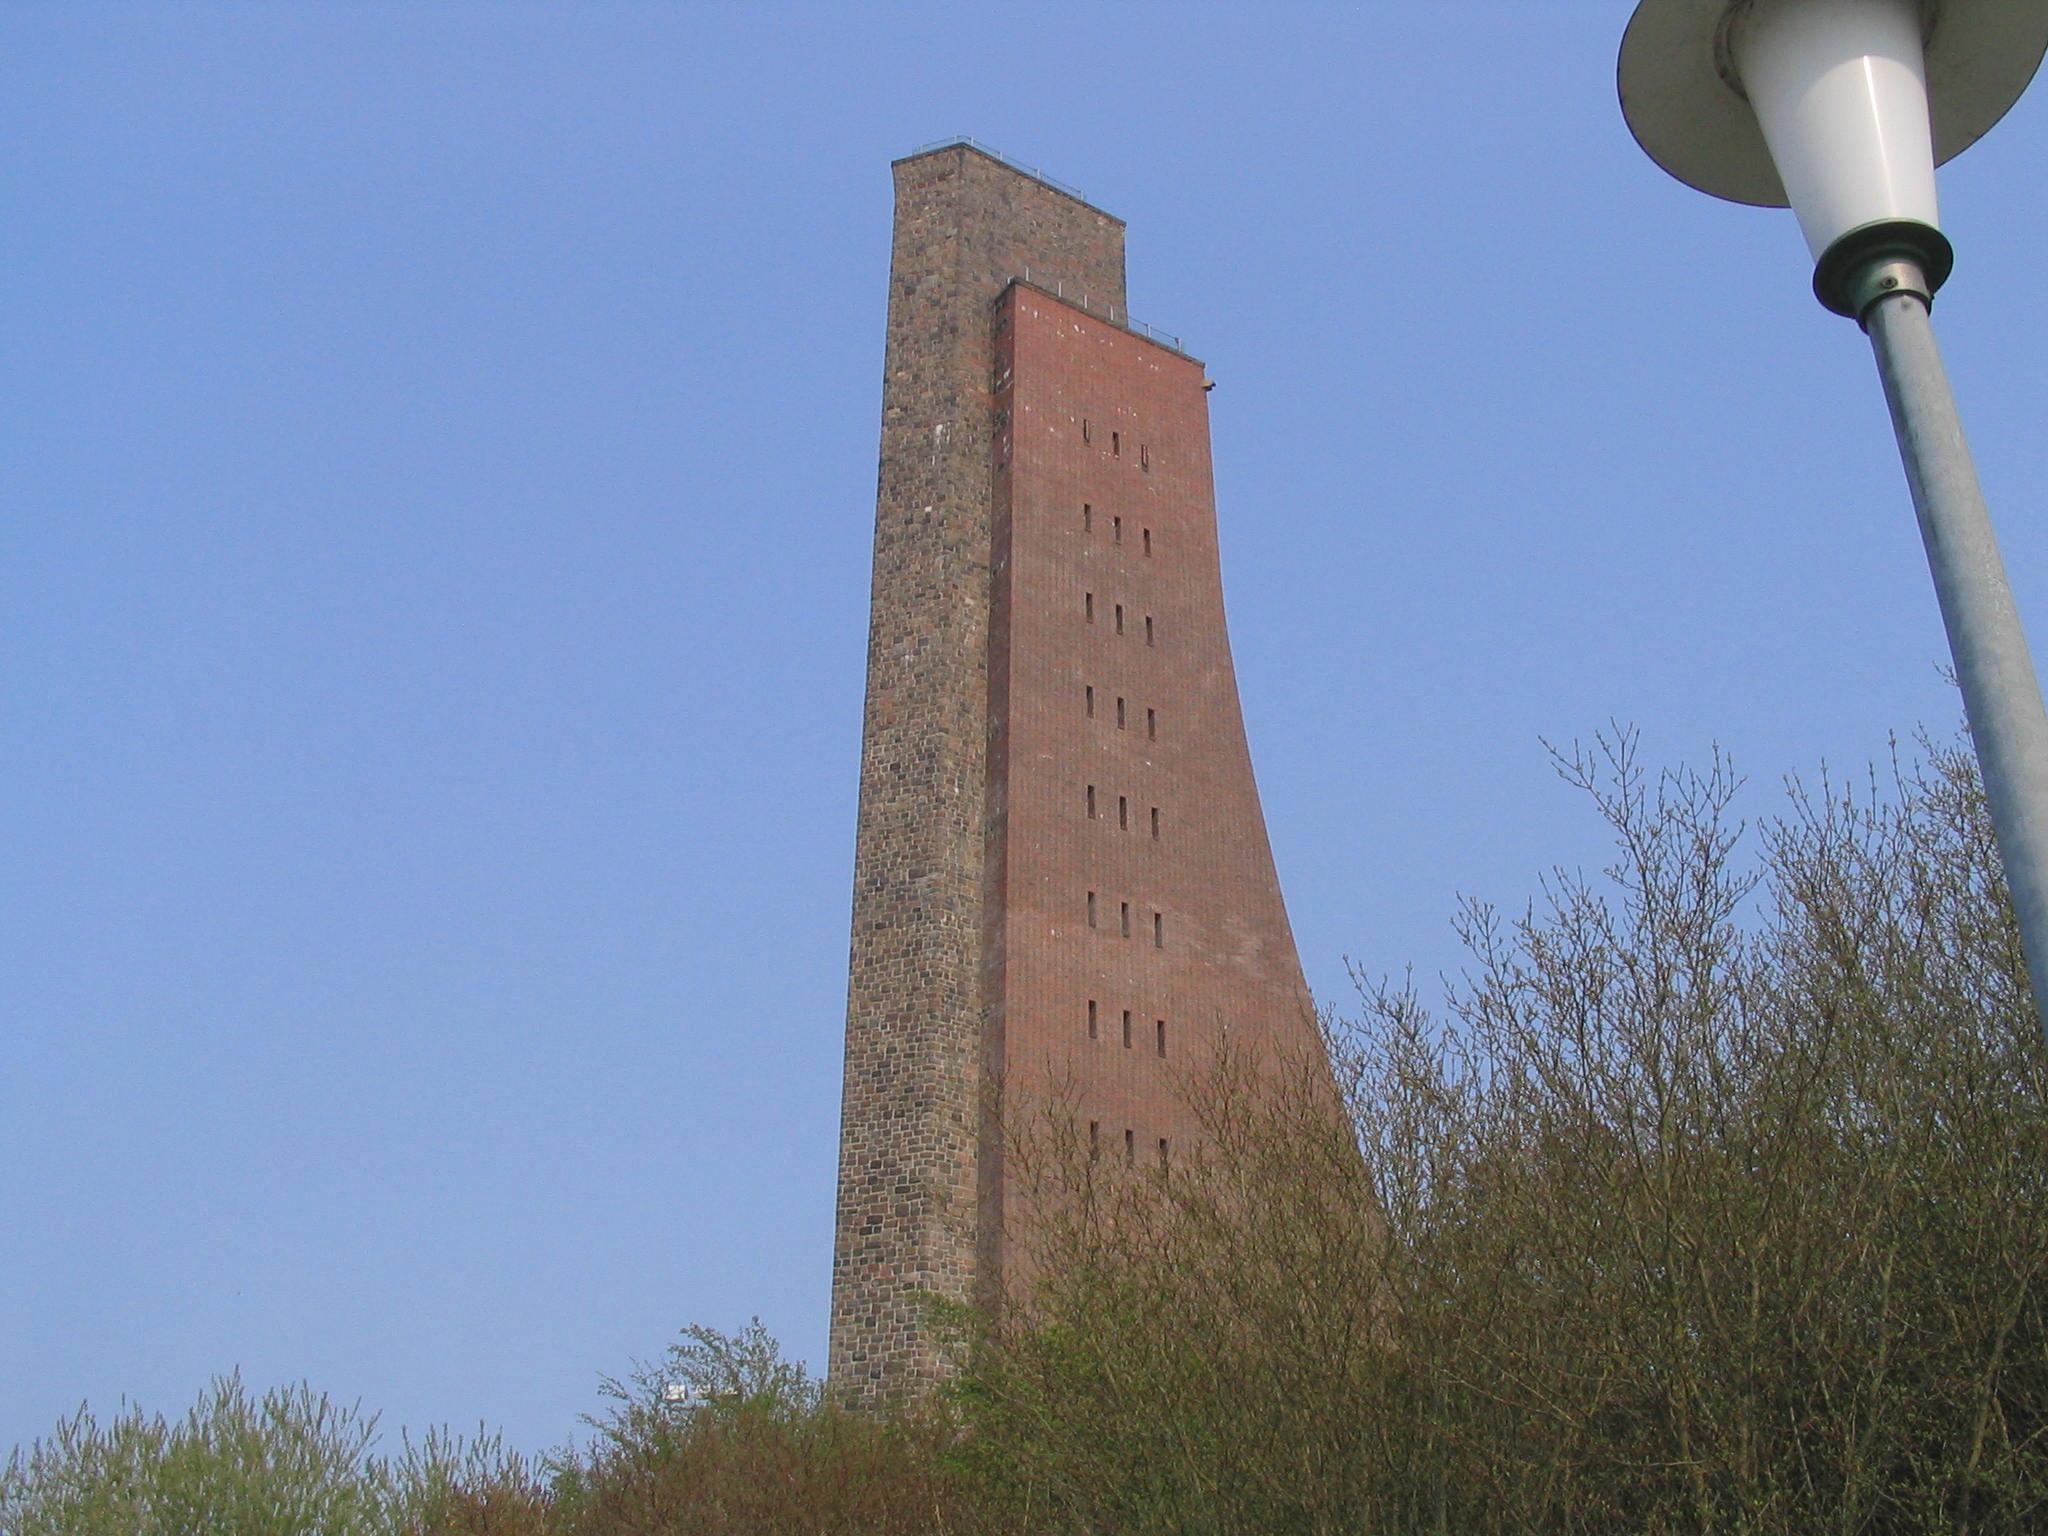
{"points": [[965, 225], [1061, 875]]}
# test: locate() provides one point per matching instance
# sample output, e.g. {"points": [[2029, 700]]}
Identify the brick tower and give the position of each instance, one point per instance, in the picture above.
{"points": [[1061, 877]]}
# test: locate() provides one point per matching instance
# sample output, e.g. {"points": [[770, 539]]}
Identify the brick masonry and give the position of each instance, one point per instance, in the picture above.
{"points": [[1032, 450], [1134, 925]]}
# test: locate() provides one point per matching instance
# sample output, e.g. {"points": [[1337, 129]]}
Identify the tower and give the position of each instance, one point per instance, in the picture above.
{"points": [[1061, 875]]}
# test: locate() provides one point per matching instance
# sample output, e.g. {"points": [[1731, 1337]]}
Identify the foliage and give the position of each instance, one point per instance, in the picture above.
{"points": [[449, 1486], [1712, 1202], [1715, 1204], [761, 1451], [755, 1450], [284, 1464]]}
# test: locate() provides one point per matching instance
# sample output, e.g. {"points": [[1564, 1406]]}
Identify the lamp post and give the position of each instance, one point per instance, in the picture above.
{"points": [[1841, 109]]}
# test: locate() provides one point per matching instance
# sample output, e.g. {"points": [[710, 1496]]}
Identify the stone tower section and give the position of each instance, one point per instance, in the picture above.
{"points": [[1062, 881], [966, 223]]}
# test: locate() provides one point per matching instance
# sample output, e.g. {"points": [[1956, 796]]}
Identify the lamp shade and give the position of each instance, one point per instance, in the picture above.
{"points": [[1840, 109], [1840, 90]]}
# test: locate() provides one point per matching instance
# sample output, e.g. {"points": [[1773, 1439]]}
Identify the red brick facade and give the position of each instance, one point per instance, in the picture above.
{"points": [[1119, 777], [1058, 816]]}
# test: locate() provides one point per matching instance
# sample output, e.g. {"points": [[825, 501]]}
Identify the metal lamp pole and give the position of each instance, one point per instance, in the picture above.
{"points": [[2000, 693], [1841, 109]]}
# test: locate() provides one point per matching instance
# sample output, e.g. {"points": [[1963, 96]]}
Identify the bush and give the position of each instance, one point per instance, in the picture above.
{"points": [[760, 1451], [755, 1451], [287, 1464], [1715, 1204]]}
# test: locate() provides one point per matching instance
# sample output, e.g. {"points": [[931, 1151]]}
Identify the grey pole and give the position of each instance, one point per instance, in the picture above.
{"points": [[2001, 696]]}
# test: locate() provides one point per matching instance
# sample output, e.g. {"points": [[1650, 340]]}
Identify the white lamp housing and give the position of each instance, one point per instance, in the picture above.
{"points": [[1839, 108], [1840, 90]]}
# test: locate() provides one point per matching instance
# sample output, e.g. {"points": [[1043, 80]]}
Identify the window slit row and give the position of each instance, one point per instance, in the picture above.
{"points": [[1123, 807]]}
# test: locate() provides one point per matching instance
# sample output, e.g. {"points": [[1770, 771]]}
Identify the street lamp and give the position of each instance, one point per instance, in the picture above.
{"points": [[1841, 109]]}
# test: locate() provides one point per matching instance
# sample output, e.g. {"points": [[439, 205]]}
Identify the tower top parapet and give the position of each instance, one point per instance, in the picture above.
{"points": [[975, 146]]}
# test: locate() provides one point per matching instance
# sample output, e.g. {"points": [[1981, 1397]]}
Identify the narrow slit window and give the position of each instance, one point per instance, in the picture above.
{"points": [[1116, 445], [1148, 543], [1162, 1154], [1151, 725], [1155, 823], [1091, 702], [1091, 909], [1127, 1029], [1145, 455], [1149, 636], [1124, 918], [1091, 802], [1119, 618], [1116, 529], [1088, 520], [1130, 1145], [1088, 606], [1159, 930], [1087, 432], [1123, 813], [1119, 714], [1094, 1137], [1095, 1027], [1158, 1032]]}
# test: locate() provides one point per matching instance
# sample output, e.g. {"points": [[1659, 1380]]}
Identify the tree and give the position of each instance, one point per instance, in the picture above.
{"points": [[1714, 1199], [290, 1463], [1713, 1202], [754, 1449]]}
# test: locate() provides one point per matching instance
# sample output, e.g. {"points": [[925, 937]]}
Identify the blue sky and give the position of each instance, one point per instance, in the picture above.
{"points": [[436, 480]]}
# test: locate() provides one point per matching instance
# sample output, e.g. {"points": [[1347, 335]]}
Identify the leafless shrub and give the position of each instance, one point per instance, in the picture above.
{"points": [[1712, 1202]]}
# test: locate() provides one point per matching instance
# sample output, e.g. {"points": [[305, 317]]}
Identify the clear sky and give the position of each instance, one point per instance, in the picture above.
{"points": [[437, 457]]}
